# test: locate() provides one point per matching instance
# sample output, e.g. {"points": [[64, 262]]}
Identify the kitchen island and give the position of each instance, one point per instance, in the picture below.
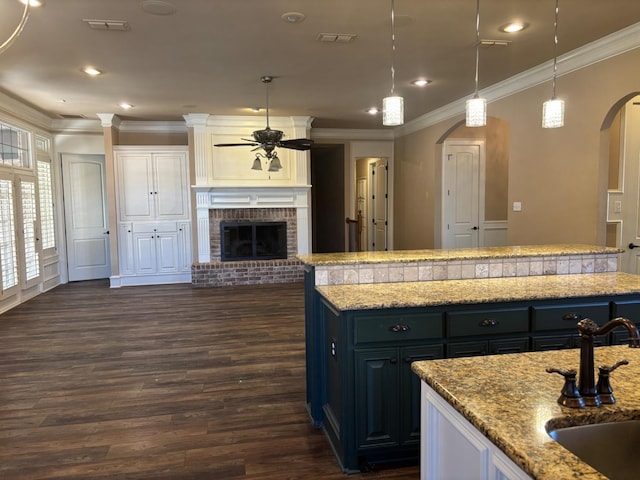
{"points": [[367, 322], [512, 401]]}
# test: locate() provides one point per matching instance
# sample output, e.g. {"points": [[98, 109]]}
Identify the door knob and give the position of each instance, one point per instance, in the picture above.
{"points": [[474, 228], [633, 245]]}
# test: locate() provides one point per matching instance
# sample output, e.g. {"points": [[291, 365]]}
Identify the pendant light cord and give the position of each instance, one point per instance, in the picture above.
{"points": [[393, 47], [477, 44], [555, 50], [18, 30]]}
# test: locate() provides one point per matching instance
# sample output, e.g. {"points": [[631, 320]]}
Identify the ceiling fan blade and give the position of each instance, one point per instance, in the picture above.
{"points": [[235, 144], [296, 144]]}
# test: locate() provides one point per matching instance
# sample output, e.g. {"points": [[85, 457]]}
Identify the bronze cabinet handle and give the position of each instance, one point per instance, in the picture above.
{"points": [[399, 327], [489, 322], [572, 316]]}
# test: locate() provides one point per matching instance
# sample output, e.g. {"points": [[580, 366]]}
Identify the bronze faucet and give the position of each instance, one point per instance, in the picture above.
{"points": [[588, 393]]}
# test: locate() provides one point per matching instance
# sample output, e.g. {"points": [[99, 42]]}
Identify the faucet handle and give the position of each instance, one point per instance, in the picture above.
{"points": [[569, 396], [605, 392]]}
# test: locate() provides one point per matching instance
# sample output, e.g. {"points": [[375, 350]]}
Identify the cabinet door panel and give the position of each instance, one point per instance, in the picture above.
{"points": [[410, 391], [167, 252], [135, 187], [170, 179], [145, 253], [467, 349], [509, 345], [555, 342], [376, 397]]}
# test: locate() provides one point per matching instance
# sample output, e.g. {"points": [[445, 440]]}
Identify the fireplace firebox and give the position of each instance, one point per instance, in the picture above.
{"points": [[253, 241]]}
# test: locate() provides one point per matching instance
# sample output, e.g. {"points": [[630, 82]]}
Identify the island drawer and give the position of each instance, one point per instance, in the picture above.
{"points": [[564, 317], [402, 327], [487, 322]]}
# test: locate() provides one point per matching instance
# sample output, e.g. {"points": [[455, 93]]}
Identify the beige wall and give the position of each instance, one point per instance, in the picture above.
{"points": [[559, 175], [137, 138]]}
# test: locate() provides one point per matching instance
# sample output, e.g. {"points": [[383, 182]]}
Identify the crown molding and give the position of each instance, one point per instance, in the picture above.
{"points": [[607, 47], [25, 113], [76, 125], [153, 127], [352, 134]]}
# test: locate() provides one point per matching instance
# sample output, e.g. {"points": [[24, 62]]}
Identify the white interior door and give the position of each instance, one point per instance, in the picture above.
{"points": [[630, 208], [462, 195], [379, 204], [86, 219]]}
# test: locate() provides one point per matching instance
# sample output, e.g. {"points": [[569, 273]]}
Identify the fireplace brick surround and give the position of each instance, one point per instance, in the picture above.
{"points": [[253, 272]]}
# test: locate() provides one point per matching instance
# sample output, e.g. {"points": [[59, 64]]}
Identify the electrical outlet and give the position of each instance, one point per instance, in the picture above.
{"points": [[617, 206], [517, 206]]}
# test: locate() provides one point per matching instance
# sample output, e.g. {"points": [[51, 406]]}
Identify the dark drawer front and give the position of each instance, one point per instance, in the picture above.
{"points": [[487, 322], [567, 317], [630, 310], [393, 328]]}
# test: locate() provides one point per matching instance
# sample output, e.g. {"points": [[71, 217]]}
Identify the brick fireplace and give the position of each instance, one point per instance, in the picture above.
{"points": [[249, 204]]}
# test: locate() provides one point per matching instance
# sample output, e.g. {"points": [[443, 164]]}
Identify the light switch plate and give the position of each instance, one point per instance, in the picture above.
{"points": [[517, 206]]}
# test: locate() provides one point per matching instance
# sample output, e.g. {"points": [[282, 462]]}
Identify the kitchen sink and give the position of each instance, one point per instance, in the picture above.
{"points": [[612, 448]]}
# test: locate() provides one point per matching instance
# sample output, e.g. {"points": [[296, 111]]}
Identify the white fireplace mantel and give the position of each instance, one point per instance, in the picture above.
{"points": [[210, 197]]}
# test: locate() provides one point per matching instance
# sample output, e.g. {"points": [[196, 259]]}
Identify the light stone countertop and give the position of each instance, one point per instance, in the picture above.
{"points": [[511, 400], [402, 256], [472, 291]]}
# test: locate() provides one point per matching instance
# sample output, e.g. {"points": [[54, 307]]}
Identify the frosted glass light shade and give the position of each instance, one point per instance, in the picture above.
{"points": [[553, 113], [392, 111], [257, 164], [476, 112]]}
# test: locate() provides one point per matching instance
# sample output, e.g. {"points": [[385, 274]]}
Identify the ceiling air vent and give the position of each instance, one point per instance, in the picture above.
{"points": [[115, 25], [484, 43], [336, 37], [71, 117]]}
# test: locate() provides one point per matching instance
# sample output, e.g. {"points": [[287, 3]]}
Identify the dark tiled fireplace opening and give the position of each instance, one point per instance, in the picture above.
{"points": [[253, 240]]}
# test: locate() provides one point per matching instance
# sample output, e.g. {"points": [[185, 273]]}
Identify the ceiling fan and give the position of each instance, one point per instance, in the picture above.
{"points": [[268, 140]]}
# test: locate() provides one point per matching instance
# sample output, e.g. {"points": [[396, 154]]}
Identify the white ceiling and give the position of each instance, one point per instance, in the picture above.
{"points": [[209, 55]]}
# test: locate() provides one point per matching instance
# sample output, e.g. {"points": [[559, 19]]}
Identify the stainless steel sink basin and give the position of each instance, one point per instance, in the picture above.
{"points": [[612, 448]]}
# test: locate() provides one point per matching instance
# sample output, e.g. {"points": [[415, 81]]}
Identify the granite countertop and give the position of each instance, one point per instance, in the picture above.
{"points": [[401, 256], [488, 290], [512, 401]]}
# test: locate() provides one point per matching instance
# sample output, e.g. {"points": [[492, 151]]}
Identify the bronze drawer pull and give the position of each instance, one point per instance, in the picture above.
{"points": [[572, 317], [399, 327], [489, 322]]}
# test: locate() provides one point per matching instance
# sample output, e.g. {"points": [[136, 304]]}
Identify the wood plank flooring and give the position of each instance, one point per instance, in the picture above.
{"points": [[161, 382]]}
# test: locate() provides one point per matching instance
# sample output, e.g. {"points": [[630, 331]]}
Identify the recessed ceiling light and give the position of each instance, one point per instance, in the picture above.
{"points": [[157, 7], [62, 100], [513, 27], [92, 71], [125, 105], [421, 82], [255, 109], [373, 110], [293, 17]]}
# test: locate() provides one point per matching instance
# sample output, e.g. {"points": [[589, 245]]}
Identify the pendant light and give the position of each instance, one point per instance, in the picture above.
{"points": [[393, 105], [553, 110], [476, 107]]}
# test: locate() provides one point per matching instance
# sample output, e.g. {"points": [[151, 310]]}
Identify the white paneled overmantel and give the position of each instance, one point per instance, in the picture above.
{"points": [[231, 166], [224, 178], [208, 197]]}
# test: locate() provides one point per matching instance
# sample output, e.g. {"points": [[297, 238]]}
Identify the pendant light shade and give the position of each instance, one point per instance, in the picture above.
{"points": [[393, 105], [274, 164], [393, 111], [553, 110], [553, 113], [476, 112], [476, 108]]}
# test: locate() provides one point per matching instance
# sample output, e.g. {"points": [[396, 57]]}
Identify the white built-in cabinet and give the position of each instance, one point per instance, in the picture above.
{"points": [[451, 448], [154, 228]]}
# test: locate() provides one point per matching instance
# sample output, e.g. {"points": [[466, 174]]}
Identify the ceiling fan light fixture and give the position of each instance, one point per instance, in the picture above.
{"points": [[257, 164], [275, 164]]}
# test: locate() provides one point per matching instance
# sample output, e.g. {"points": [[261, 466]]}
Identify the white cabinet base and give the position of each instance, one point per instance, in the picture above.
{"points": [[117, 281], [453, 449]]}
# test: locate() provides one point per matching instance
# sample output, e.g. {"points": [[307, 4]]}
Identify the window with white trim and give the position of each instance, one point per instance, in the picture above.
{"points": [[47, 217], [8, 249], [14, 147], [29, 229]]}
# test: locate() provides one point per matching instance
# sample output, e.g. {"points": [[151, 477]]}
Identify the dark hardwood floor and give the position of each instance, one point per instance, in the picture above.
{"points": [[162, 382]]}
